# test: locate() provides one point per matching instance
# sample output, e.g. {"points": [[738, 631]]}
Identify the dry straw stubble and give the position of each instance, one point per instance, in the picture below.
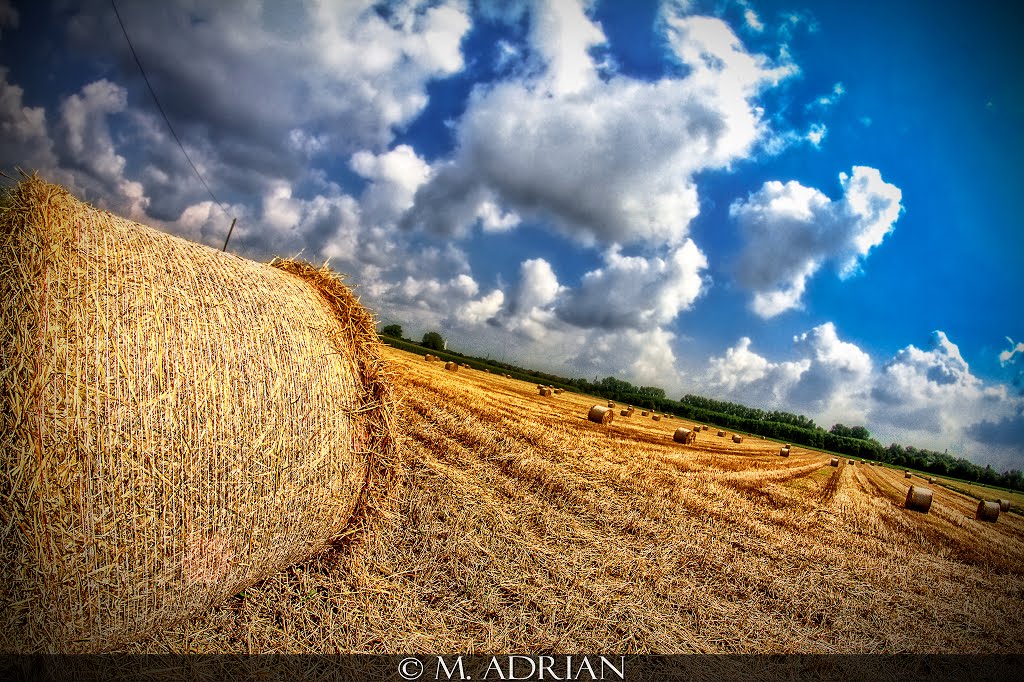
{"points": [[178, 422]]}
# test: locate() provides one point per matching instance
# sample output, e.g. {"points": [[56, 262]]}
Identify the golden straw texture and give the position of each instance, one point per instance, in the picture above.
{"points": [[919, 499], [177, 423], [988, 510]]}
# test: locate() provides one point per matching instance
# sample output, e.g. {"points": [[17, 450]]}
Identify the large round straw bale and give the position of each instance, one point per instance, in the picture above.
{"points": [[611, 404], [428, 357], [834, 462], [736, 438], [988, 510], [918, 499], [558, 391], [784, 452], [656, 417], [601, 414], [931, 479], [721, 434], [544, 391], [1004, 504], [907, 474], [451, 366], [850, 461], [176, 423], [684, 435], [623, 413], [643, 413]]}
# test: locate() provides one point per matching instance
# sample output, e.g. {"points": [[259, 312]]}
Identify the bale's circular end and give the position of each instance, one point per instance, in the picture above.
{"points": [[918, 499], [451, 366], [601, 414]]}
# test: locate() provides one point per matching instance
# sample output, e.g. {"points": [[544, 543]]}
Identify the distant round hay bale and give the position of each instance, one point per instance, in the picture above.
{"points": [[487, 370], [451, 366], [931, 480], [834, 462], [721, 434], [611, 404], [644, 413], [544, 391], [656, 417], [558, 391], [784, 452], [918, 499], [428, 357], [186, 422], [850, 461], [736, 438], [907, 474], [623, 413], [1004, 504], [988, 510], [601, 414], [684, 435]]}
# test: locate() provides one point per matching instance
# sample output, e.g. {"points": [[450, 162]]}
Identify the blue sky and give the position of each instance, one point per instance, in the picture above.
{"points": [[798, 205]]}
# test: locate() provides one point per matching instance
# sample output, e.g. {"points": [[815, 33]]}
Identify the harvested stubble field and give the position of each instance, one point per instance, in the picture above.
{"points": [[517, 525]]}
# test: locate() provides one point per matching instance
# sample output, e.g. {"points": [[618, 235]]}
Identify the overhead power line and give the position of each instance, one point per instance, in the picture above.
{"points": [[168, 122]]}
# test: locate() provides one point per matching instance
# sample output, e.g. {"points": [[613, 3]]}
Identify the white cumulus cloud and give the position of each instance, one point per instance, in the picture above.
{"points": [[608, 159], [790, 231]]}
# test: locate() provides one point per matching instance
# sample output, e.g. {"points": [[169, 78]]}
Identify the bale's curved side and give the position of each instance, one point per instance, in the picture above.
{"points": [[919, 499], [834, 462], [601, 414], [721, 434], [783, 452], [988, 510], [736, 438], [683, 435], [178, 423]]}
